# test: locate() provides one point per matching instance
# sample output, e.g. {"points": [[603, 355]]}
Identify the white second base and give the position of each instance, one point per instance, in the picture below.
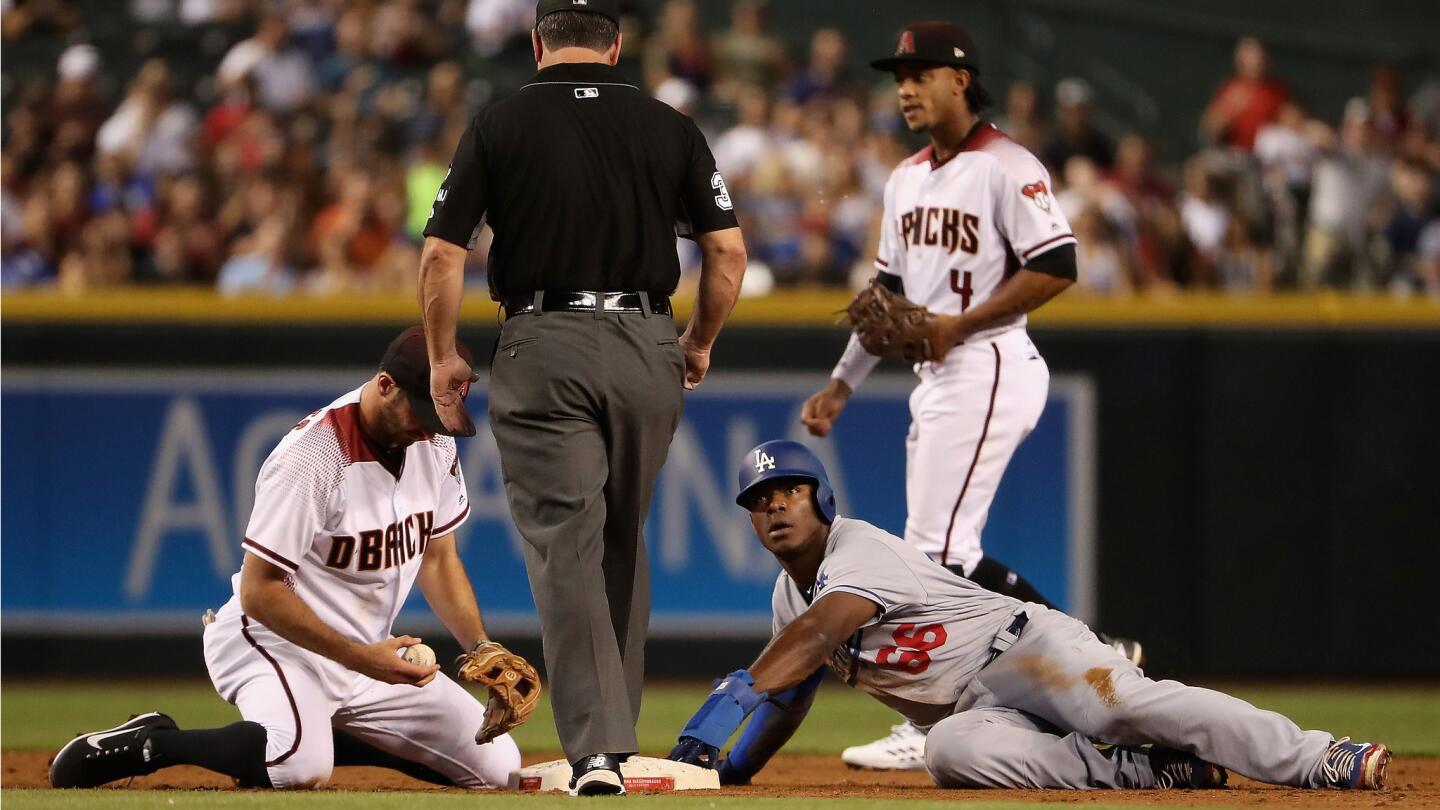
{"points": [[642, 775]]}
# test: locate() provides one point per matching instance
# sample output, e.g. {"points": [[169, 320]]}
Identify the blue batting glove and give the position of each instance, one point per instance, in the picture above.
{"points": [[724, 710], [694, 752]]}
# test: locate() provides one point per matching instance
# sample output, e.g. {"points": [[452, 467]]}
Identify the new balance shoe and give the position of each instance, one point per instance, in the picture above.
{"points": [[93, 759], [903, 750], [597, 775], [1355, 766], [1185, 771]]}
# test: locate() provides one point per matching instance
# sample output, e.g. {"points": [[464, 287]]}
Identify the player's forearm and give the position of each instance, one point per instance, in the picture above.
{"points": [[274, 605], [854, 366], [722, 270], [447, 588], [792, 656], [441, 288], [1025, 292]]}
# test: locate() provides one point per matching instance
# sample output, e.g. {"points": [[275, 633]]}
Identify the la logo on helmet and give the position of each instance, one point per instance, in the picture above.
{"points": [[763, 461]]}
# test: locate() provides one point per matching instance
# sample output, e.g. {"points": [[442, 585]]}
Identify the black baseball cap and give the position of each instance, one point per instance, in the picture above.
{"points": [[930, 44], [609, 9], [408, 362]]}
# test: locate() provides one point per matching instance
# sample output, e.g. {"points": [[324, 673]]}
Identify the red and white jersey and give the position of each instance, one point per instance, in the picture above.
{"points": [[955, 231], [349, 529]]}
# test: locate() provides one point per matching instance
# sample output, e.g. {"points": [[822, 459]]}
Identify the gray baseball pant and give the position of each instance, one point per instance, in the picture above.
{"points": [[583, 407], [1033, 716]]}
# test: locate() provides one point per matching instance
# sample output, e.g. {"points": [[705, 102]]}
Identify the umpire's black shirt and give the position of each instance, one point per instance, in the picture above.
{"points": [[585, 180]]}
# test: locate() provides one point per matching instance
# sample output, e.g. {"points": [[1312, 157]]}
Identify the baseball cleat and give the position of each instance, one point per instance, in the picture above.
{"points": [[93, 759], [597, 775], [1129, 648], [1185, 771], [903, 750], [1355, 766]]}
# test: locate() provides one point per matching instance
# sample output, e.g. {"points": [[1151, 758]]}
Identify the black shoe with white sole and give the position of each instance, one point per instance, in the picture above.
{"points": [[597, 775], [93, 759]]}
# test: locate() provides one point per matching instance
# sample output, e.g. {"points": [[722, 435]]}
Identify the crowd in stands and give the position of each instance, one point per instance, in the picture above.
{"points": [[305, 153]]}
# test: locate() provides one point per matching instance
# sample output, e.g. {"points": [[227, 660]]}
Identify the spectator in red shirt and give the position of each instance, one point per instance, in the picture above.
{"points": [[1246, 101]]}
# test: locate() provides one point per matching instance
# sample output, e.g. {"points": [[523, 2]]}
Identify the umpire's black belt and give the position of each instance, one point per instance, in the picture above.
{"points": [[639, 303]]}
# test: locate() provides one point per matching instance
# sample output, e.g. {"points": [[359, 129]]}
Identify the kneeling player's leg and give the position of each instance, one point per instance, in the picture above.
{"points": [[295, 714], [434, 726], [236, 750], [352, 751], [1008, 748], [285, 740]]}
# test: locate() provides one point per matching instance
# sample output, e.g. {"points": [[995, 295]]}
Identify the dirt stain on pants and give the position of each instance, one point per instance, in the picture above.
{"points": [[1099, 680], [1051, 678]]}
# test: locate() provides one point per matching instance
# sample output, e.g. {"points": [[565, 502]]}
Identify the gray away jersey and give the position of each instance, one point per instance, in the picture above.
{"points": [[933, 631]]}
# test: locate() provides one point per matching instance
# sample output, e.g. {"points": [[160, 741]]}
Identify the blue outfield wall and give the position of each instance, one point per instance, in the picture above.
{"points": [[125, 496]]}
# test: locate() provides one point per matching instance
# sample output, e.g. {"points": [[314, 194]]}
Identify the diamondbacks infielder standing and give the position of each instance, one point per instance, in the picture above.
{"points": [[1015, 695], [354, 506], [971, 233]]}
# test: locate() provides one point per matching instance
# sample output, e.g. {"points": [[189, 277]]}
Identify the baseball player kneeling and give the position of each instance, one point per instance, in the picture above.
{"points": [[354, 506], [1013, 694]]}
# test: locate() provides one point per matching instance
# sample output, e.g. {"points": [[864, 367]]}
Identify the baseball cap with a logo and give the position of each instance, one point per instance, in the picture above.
{"points": [[609, 9], [408, 362], [929, 44]]}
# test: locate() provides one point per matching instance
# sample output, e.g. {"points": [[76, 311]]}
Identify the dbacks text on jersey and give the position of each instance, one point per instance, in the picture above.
{"points": [[383, 548], [947, 227]]}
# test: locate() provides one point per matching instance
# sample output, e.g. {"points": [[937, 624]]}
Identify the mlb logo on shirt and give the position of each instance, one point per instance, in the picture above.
{"points": [[587, 92]]}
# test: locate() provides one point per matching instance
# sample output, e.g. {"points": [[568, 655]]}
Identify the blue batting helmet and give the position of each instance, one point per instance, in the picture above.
{"points": [[783, 458]]}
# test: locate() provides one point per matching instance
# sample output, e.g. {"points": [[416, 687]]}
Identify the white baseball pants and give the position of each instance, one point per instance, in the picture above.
{"points": [[298, 696], [967, 416]]}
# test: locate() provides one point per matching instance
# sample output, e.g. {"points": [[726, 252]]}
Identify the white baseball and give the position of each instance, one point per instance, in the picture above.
{"points": [[420, 655]]}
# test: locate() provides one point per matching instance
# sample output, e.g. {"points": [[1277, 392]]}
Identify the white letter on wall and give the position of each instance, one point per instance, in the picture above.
{"points": [[184, 446]]}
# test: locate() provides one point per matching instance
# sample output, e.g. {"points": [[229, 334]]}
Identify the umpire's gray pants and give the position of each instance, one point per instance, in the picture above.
{"points": [[583, 407], [1029, 718]]}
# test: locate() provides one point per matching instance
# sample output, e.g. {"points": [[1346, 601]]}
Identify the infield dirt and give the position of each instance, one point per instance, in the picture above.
{"points": [[1415, 782]]}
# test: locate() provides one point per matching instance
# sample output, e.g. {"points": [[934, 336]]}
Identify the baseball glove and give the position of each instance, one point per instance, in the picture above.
{"points": [[891, 325], [513, 683]]}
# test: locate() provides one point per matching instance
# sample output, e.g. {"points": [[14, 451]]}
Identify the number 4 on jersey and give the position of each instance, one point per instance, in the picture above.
{"points": [[961, 285]]}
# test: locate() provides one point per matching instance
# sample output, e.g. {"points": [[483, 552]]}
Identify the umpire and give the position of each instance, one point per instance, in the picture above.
{"points": [[585, 181]]}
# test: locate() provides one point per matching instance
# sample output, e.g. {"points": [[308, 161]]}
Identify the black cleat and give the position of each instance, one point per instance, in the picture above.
{"points": [[1184, 771], [597, 775], [104, 756], [1180, 770]]}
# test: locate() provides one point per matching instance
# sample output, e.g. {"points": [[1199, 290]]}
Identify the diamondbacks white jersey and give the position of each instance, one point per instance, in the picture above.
{"points": [[955, 231], [348, 529], [933, 631]]}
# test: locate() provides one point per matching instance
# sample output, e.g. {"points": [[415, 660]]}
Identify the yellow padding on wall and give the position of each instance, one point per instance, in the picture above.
{"points": [[787, 309]]}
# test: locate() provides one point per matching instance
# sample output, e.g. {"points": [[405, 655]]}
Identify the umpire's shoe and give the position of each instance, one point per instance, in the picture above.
{"points": [[597, 775], [1185, 771], [115, 753]]}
